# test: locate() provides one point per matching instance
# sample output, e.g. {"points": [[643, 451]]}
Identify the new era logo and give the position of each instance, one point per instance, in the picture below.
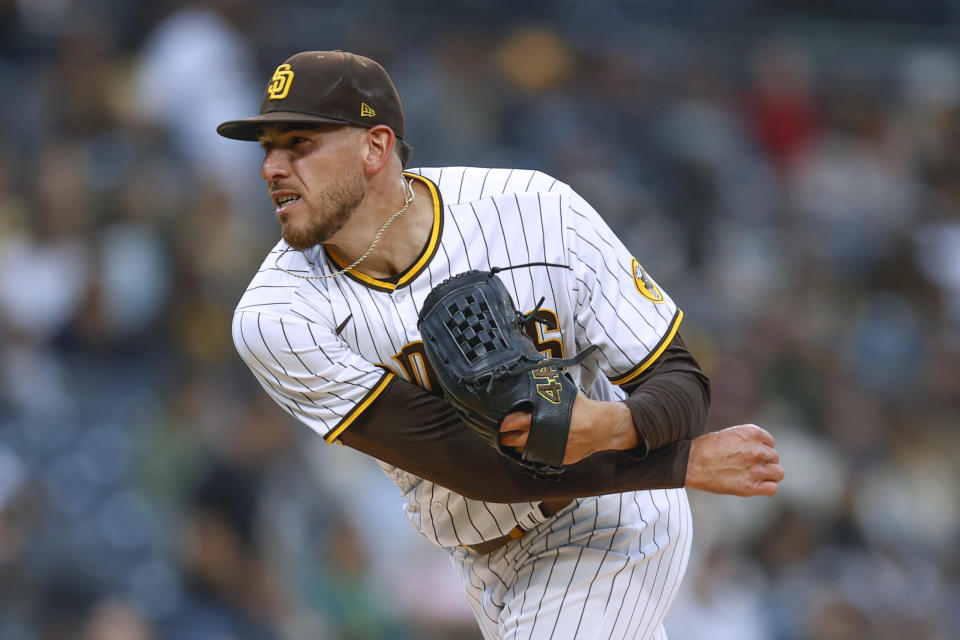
{"points": [[366, 111]]}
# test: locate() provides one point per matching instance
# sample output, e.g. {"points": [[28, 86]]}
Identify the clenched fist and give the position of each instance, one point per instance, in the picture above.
{"points": [[738, 461]]}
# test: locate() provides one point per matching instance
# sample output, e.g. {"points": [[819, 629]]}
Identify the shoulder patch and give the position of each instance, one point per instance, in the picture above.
{"points": [[645, 284]]}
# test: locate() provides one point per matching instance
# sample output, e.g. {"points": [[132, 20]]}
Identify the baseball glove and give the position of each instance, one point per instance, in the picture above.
{"points": [[488, 367]]}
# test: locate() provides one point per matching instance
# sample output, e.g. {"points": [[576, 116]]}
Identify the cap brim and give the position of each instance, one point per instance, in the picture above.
{"points": [[248, 128]]}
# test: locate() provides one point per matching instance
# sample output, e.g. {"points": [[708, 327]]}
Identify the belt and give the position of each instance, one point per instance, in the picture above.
{"points": [[547, 508]]}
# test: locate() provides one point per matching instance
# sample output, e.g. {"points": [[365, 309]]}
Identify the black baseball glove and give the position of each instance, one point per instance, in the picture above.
{"points": [[488, 367]]}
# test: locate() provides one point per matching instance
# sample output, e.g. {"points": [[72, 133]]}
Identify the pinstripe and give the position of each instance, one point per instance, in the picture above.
{"points": [[383, 322], [627, 275], [460, 187], [530, 181], [453, 521], [599, 351], [290, 333], [478, 589], [466, 249], [597, 573], [280, 364], [399, 318], [656, 571], [264, 269], [293, 351], [480, 229], [483, 184], [320, 349], [272, 286], [320, 292], [613, 307], [543, 234], [433, 524], [246, 344], [508, 609], [646, 567], [626, 299], [573, 574], [340, 285], [523, 230], [506, 244], [546, 586], [494, 518], [665, 594], [679, 554], [497, 602], [676, 555]]}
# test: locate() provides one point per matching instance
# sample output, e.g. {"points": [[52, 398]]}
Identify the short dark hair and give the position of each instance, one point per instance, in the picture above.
{"points": [[405, 151]]}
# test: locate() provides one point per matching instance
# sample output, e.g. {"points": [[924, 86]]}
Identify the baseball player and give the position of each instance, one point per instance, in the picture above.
{"points": [[328, 326]]}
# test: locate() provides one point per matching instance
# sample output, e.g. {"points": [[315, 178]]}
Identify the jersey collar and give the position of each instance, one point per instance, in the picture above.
{"points": [[429, 249]]}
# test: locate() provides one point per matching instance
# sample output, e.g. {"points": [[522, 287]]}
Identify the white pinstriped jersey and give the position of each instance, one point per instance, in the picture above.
{"points": [[325, 349]]}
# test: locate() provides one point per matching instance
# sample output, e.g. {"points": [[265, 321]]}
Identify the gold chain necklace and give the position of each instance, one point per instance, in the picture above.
{"points": [[409, 197]]}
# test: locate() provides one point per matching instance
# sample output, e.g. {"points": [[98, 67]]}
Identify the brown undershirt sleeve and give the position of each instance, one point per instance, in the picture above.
{"points": [[669, 401], [420, 433]]}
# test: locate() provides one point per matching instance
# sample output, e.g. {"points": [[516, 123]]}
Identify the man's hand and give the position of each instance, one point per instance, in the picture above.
{"points": [[739, 461], [595, 425]]}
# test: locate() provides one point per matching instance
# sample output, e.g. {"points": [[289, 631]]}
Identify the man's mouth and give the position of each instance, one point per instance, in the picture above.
{"points": [[284, 201]]}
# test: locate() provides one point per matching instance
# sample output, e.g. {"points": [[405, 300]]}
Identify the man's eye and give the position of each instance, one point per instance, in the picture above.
{"points": [[298, 140]]}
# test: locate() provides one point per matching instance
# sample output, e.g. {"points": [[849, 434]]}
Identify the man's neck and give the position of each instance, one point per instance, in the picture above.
{"points": [[400, 243]]}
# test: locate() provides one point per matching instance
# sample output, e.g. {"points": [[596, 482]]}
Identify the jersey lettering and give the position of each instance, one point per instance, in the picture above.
{"points": [[550, 347], [417, 369]]}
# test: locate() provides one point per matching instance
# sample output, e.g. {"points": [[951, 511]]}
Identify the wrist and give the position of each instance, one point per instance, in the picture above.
{"points": [[624, 434], [691, 477]]}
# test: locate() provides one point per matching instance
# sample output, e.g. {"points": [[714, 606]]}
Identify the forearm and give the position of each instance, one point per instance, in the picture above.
{"points": [[421, 434]]}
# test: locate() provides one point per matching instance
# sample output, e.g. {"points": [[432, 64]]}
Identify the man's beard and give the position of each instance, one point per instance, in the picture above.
{"points": [[340, 201]]}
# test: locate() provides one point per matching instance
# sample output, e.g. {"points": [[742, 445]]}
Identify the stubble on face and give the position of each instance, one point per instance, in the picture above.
{"points": [[327, 212]]}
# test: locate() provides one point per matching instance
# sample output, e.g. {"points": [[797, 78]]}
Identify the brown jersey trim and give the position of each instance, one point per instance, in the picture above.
{"points": [[657, 351], [429, 249], [359, 408]]}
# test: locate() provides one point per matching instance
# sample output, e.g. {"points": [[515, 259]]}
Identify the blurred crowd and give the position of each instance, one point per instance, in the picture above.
{"points": [[793, 182]]}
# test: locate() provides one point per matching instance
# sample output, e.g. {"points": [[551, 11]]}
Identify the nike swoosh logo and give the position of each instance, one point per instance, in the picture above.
{"points": [[342, 325]]}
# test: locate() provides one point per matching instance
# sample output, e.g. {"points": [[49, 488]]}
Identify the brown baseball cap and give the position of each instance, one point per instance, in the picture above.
{"points": [[324, 86]]}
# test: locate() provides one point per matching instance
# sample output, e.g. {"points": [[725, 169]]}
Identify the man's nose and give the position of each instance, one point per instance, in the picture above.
{"points": [[275, 166]]}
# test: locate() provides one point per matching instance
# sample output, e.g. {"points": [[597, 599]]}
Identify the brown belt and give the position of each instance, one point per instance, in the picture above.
{"points": [[547, 507]]}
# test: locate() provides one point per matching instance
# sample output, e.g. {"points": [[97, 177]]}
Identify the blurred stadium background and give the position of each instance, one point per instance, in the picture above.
{"points": [[789, 171]]}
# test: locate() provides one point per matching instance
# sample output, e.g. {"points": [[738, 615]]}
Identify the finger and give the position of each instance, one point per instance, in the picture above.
{"points": [[762, 472], [775, 473], [516, 421], [768, 489], [765, 437], [762, 454], [514, 439]]}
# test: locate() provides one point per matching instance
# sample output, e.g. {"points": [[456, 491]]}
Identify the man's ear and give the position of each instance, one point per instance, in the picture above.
{"points": [[380, 141]]}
